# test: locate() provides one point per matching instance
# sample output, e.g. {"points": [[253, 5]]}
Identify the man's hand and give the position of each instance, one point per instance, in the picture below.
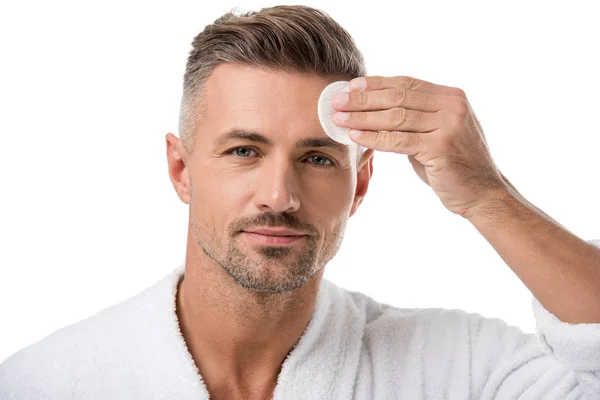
{"points": [[435, 126]]}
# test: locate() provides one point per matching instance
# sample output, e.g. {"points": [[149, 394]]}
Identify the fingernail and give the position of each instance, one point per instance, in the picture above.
{"points": [[341, 116], [341, 98], [358, 83]]}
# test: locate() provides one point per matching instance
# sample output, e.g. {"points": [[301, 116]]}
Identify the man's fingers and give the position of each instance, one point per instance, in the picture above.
{"points": [[392, 141], [376, 82], [384, 99], [393, 119]]}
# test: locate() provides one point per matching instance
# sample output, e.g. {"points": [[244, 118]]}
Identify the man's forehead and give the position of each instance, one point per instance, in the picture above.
{"points": [[267, 106], [234, 83]]}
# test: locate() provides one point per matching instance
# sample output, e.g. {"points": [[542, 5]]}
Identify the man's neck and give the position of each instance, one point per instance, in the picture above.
{"points": [[239, 339]]}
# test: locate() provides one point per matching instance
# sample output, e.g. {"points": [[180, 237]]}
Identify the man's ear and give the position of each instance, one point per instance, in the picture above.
{"points": [[364, 171], [178, 168]]}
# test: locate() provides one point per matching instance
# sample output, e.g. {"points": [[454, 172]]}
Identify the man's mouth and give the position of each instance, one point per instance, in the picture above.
{"points": [[274, 236]]}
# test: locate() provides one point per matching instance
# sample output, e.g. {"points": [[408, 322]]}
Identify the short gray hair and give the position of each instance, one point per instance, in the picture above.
{"points": [[287, 38]]}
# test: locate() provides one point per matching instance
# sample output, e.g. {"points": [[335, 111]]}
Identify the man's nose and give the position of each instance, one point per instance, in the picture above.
{"points": [[276, 189]]}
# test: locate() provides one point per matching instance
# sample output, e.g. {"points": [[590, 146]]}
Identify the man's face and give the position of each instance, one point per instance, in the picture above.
{"points": [[263, 161]]}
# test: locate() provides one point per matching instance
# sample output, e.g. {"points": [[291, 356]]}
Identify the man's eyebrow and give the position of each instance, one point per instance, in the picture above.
{"points": [[322, 142], [243, 134]]}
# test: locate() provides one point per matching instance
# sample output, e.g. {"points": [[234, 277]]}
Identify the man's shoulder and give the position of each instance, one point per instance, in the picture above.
{"points": [[395, 338], [90, 347], [395, 321]]}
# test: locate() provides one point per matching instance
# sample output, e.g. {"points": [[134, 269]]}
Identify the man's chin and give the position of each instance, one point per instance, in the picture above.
{"points": [[274, 252], [270, 276]]}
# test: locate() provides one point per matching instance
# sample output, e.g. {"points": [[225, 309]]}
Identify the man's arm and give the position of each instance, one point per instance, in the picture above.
{"points": [[560, 269], [435, 126], [563, 273]]}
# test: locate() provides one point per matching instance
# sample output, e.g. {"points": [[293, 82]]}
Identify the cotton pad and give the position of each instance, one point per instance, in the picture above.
{"points": [[326, 111]]}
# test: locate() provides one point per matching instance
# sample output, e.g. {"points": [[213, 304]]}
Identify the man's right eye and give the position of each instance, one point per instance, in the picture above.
{"points": [[243, 152]]}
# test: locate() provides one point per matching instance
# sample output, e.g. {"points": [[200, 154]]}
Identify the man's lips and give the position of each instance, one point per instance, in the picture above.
{"points": [[274, 236], [275, 231]]}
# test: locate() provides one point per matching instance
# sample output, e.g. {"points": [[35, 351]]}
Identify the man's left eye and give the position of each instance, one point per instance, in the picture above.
{"points": [[243, 152], [321, 160]]}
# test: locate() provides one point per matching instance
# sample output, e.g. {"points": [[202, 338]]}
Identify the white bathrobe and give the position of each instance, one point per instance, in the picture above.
{"points": [[352, 348]]}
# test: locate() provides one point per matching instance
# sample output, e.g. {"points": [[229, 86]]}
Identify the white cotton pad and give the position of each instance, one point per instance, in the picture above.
{"points": [[326, 111]]}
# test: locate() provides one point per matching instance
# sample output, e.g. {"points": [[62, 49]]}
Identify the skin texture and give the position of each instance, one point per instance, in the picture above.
{"points": [[244, 303]]}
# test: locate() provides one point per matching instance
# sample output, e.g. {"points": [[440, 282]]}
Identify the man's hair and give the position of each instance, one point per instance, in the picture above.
{"points": [[288, 38]]}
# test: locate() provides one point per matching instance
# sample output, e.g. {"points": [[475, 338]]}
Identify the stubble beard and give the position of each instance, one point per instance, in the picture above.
{"points": [[264, 269], [271, 269]]}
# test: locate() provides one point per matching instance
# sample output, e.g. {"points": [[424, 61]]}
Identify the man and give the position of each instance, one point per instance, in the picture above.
{"points": [[249, 315]]}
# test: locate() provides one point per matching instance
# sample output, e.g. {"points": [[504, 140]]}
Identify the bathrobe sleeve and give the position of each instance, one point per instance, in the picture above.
{"points": [[561, 361]]}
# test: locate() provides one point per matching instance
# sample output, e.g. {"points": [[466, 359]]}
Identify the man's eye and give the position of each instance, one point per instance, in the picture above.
{"points": [[242, 151], [246, 152], [321, 161]]}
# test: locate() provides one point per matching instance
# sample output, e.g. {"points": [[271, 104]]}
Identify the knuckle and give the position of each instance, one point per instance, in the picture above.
{"points": [[377, 81], [456, 120], [387, 140], [358, 117], [398, 96], [407, 81], [462, 106], [398, 115], [362, 98], [406, 140], [459, 92]]}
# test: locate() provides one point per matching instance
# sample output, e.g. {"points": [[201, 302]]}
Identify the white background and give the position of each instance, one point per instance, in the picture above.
{"points": [[88, 215]]}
